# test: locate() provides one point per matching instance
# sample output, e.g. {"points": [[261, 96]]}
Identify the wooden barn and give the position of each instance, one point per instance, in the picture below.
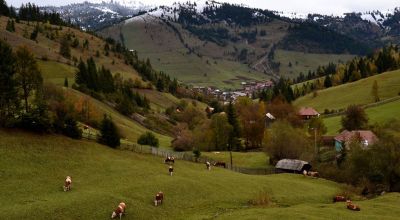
{"points": [[292, 166]]}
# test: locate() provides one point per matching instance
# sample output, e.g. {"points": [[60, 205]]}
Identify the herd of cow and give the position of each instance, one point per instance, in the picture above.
{"points": [[120, 210], [171, 160]]}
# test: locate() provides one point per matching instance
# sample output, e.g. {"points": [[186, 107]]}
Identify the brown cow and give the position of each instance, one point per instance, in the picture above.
{"points": [[159, 198], [67, 184], [119, 211], [313, 174], [352, 206], [339, 199]]}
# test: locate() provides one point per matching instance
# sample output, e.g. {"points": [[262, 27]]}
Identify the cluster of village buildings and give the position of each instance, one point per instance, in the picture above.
{"points": [[248, 89]]}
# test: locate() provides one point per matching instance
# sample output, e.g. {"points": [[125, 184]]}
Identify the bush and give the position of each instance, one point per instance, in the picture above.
{"points": [[34, 122], [148, 138], [261, 199], [71, 129]]}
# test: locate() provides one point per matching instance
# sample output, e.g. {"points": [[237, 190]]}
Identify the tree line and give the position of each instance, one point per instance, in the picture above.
{"points": [[31, 12], [383, 60]]}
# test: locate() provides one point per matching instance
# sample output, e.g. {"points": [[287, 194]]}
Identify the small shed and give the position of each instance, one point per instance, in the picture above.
{"points": [[307, 113], [292, 166]]}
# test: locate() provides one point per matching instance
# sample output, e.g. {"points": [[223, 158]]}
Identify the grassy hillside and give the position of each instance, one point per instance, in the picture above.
{"points": [[129, 129], [33, 169], [379, 114], [359, 92], [304, 62]]}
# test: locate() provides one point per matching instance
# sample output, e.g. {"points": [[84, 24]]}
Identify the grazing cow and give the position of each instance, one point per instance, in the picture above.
{"points": [[313, 174], [67, 184], [339, 199], [208, 165], [159, 198], [119, 211], [171, 170], [220, 164], [352, 206], [169, 160]]}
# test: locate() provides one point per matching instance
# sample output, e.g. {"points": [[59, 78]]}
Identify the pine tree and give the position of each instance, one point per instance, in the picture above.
{"points": [[4, 10], [81, 76], [8, 87], [66, 82], [92, 81], [109, 134], [65, 49], [328, 81], [10, 26]]}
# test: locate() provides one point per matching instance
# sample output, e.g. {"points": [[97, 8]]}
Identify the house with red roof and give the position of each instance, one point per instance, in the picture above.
{"points": [[307, 113], [365, 137]]}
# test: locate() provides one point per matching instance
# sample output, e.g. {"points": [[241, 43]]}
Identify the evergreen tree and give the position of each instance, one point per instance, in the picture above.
{"points": [[92, 81], [328, 81], [4, 10], [8, 88], [234, 135], [81, 76], [109, 134], [10, 27], [65, 49], [66, 82], [160, 85]]}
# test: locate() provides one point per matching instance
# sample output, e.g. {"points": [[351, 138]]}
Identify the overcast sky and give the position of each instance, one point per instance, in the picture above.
{"points": [[301, 6]]}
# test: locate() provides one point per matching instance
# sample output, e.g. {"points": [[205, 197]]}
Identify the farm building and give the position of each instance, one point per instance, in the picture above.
{"points": [[307, 112], [365, 137], [292, 166]]}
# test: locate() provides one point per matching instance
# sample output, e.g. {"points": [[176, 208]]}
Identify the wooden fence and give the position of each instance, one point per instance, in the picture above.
{"points": [[188, 156]]}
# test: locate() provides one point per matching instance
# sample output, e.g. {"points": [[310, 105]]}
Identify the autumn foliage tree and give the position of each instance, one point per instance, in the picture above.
{"points": [[355, 118]]}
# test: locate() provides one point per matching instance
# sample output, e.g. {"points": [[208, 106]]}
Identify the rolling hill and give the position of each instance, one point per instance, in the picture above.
{"points": [[33, 168], [55, 69], [359, 92]]}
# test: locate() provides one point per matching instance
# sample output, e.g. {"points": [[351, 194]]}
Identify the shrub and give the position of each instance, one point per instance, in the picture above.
{"points": [[148, 138], [261, 199], [71, 128]]}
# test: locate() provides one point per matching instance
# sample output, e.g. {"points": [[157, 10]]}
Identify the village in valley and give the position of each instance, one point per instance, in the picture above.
{"points": [[199, 110]]}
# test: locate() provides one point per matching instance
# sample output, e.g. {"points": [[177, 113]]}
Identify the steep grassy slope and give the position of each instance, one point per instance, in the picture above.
{"points": [[359, 92], [48, 49], [379, 114], [304, 62], [33, 169]]}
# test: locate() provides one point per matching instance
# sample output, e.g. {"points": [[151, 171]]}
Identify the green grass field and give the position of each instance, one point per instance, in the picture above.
{"points": [[56, 72], [33, 168], [359, 92], [379, 114], [304, 62], [249, 159]]}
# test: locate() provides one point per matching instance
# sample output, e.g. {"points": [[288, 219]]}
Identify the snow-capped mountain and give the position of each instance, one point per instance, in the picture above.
{"points": [[96, 14]]}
